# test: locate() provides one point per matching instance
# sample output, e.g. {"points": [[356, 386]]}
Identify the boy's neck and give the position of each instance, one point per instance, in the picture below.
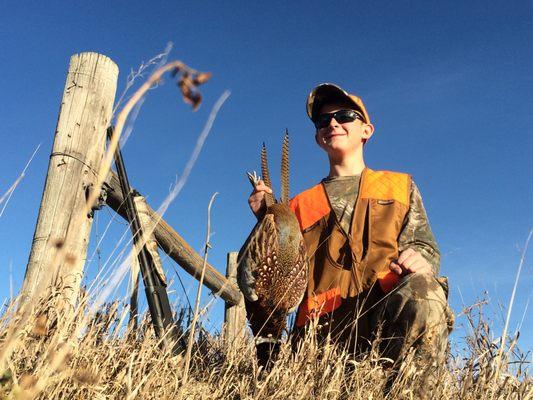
{"points": [[346, 166]]}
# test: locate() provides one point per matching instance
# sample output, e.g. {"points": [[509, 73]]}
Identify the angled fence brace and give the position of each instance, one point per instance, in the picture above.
{"points": [[176, 247], [151, 245], [154, 285]]}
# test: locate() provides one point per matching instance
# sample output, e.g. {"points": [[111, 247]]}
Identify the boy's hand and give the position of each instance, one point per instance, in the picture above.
{"points": [[256, 201], [410, 261]]}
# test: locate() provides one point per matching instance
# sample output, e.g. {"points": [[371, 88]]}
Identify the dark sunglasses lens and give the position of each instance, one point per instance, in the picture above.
{"points": [[323, 120], [342, 117], [345, 116]]}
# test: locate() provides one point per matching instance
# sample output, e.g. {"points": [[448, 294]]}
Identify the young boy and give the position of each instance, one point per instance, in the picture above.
{"points": [[374, 261]]}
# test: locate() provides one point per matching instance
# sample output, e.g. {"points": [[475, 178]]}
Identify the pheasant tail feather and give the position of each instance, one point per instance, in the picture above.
{"points": [[285, 169], [266, 175]]}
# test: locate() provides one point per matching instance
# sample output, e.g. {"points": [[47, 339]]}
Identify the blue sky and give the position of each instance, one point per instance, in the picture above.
{"points": [[447, 84]]}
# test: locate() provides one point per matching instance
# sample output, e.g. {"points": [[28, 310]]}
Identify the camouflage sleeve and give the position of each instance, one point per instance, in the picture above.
{"points": [[416, 232]]}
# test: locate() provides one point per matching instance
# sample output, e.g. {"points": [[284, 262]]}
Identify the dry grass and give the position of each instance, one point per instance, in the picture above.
{"points": [[102, 360]]}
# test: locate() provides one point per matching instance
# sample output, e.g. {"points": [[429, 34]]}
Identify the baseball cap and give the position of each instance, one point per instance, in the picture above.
{"points": [[328, 93]]}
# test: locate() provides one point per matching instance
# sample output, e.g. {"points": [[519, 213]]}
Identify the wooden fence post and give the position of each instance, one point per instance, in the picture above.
{"points": [[234, 316], [79, 144]]}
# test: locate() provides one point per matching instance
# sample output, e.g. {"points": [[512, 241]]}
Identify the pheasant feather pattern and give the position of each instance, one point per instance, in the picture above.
{"points": [[272, 264]]}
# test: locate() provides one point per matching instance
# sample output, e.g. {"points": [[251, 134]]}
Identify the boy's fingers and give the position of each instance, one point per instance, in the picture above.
{"points": [[412, 259], [421, 266], [395, 268], [404, 255], [414, 265]]}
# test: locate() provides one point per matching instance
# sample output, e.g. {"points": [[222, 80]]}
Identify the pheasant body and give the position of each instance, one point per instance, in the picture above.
{"points": [[272, 264]]}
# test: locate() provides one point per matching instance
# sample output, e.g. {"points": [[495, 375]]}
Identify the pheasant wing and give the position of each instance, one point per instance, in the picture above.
{"points": [[256, 260], [298, 276]]}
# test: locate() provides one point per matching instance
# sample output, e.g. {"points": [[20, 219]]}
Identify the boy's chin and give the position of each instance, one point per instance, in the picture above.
{"points": [[340, 151]]}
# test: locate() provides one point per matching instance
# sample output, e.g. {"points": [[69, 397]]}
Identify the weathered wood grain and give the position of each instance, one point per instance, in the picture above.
{"points": [[234, 315], [79, 144]]}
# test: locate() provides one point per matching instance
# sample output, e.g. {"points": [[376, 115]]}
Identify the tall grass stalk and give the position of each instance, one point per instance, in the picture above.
{"points": [[192, 328]]}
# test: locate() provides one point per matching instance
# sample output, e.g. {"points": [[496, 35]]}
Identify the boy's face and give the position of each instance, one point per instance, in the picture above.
{"points": [[342, 140]]}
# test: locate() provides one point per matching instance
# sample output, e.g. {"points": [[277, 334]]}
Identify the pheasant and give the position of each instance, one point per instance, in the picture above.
{"points": [[272, 264]]}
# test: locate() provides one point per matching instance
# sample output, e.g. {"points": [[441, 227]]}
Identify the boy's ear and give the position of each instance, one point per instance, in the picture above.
{"points": [[368, 131], [318, 142]]}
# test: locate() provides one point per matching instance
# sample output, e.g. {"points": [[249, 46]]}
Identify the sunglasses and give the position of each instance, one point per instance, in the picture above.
{"points": [[341, 116]]}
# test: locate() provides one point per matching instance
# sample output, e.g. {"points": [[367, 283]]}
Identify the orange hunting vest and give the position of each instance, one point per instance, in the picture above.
{"points": [[343, 266]]}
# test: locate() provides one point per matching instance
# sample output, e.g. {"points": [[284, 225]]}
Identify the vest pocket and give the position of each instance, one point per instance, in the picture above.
{"points": [[385, 202], [386, 218]]}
